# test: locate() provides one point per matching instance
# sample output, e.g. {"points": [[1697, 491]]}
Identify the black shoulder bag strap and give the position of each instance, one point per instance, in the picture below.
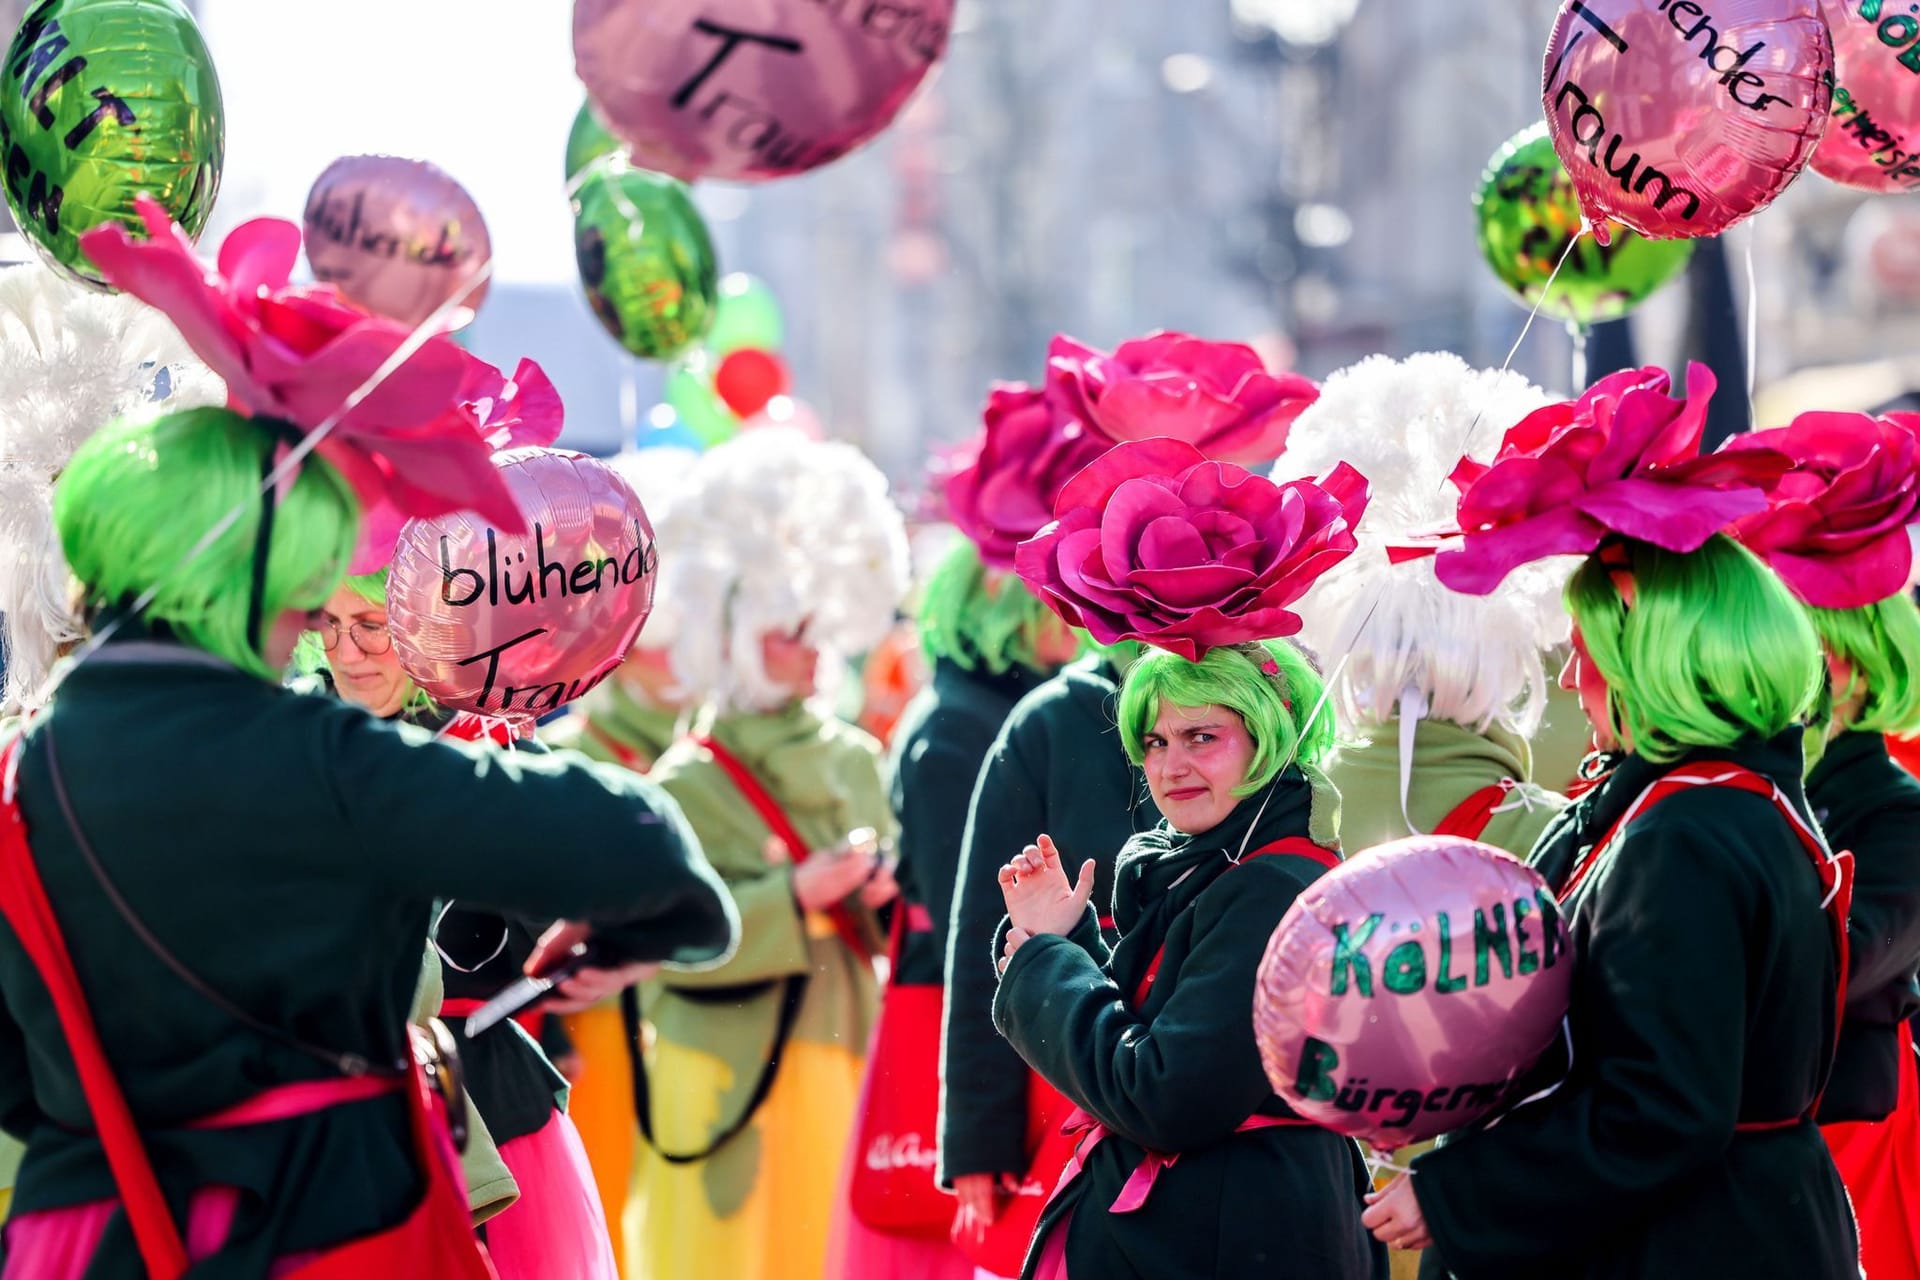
{"points": [[347, 1064]]}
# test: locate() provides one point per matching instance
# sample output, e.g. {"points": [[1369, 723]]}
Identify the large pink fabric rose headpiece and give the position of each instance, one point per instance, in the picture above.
{"points": [[1155, 542], [1001, 485], [1622, 459], [1217, 396], [419, 443], [1835, 526]]}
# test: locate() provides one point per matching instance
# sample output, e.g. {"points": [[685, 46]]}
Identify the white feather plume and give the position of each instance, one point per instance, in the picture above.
{"points": [[70, 362], [1477, 661], [659, 478], [773, 530]]}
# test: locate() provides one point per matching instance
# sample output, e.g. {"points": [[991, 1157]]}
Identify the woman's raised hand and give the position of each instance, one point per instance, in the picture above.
{"points": [[1039, 899]]}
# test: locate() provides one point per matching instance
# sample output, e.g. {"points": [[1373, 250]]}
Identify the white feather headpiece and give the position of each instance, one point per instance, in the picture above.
{"points": [[660, 478], [70, 362], [770, 531], [1472, 660]]}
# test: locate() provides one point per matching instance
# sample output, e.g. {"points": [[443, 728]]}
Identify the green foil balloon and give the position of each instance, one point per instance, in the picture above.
{"points": [[587, 141], [645, 258], [101, 101], [689, 391], [1528, 215], [749, 317]]}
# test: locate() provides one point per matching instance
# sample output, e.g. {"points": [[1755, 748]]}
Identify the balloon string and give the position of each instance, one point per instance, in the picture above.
{"points": [[1378, 1162], [1546, 292], [416, 338], [1753, 333]]}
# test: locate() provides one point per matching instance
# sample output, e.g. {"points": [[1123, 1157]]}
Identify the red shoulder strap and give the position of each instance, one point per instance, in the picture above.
{"points": [[1290, 846], [23, 901], [626, 755], [1835, 872], [782, 826], [1470, 817]]}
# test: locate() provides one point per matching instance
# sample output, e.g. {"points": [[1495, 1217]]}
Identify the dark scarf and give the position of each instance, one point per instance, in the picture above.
{"points": [[1160, 872]]}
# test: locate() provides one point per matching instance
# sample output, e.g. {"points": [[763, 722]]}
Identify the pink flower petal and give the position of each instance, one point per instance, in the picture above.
{"points": [[1484, 559]]}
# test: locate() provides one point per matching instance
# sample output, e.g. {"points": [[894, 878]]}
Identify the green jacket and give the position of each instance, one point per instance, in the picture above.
{"points": [[1178, 1072], [1705, 992], [1870, 807], [1058, 767], [1450, 763], [610, 724], [826, 776], [288, 849]]}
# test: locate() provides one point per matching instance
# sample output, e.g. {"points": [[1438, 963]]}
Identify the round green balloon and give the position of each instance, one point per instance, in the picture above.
{"points": [[1528, 215], [749, 317], [587, 141], [690, 392], [645, 258], [102, 101]]}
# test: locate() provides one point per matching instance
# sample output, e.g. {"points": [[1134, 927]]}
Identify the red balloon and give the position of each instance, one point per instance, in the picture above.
{"points": [[749, 379], [1873, 141], [1682, 119]]}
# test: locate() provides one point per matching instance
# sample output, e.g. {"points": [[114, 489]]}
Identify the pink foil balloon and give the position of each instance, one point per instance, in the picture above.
{"points": [[397, 237], [752, 89], [515, 625], [1404, 992], [1680, 118], [1873, 140]]}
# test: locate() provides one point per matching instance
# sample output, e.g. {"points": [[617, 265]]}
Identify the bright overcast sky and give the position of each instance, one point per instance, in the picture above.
{"points": [[482, 88]]}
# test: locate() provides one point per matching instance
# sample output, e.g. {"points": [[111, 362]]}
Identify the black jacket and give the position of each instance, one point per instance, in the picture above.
{"points": [[1057, 766], [1705, 993], [1870, 807], [1179, 1073], [943, 735]]}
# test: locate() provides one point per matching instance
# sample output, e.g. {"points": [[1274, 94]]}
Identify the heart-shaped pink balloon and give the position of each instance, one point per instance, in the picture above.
{"points": [[1873, 139], [516, 625], [752, 89], [1681, 118]]}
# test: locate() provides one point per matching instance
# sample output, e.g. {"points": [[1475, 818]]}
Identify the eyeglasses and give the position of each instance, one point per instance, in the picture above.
{"points": [[372, 638]]}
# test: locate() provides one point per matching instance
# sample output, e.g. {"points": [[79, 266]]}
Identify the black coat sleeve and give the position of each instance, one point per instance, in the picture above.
{"points": [[542, 835], [1661, 993], [1190, 1075], [983, 1082], [1883, 927], [933, 790]]}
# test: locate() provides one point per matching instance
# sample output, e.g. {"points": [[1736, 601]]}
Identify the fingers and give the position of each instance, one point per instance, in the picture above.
{"points": [[775, 851], [1048, 853], [555, 944], [1083, 887]]}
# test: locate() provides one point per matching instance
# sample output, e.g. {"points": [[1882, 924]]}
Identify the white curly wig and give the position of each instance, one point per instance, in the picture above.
{"points": [[772, 530], [1476, 661], [659, 477], [71, 361]]}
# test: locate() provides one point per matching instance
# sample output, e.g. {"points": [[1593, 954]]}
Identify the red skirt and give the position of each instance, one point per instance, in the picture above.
{"points": [[1880, 1164]]}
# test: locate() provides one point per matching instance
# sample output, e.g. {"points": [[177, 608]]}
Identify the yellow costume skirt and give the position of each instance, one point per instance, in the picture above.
{"points": [[601, 1106], [758, 1209]]}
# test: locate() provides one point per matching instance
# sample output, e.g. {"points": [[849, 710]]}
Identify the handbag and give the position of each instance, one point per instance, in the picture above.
{"points": [[894, 1189]]}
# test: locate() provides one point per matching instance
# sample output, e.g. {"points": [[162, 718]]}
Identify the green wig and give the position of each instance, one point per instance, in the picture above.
{"points": [[1271, 706], [1713, 648], [1882, 644], [975, 618], [138, 497]]}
